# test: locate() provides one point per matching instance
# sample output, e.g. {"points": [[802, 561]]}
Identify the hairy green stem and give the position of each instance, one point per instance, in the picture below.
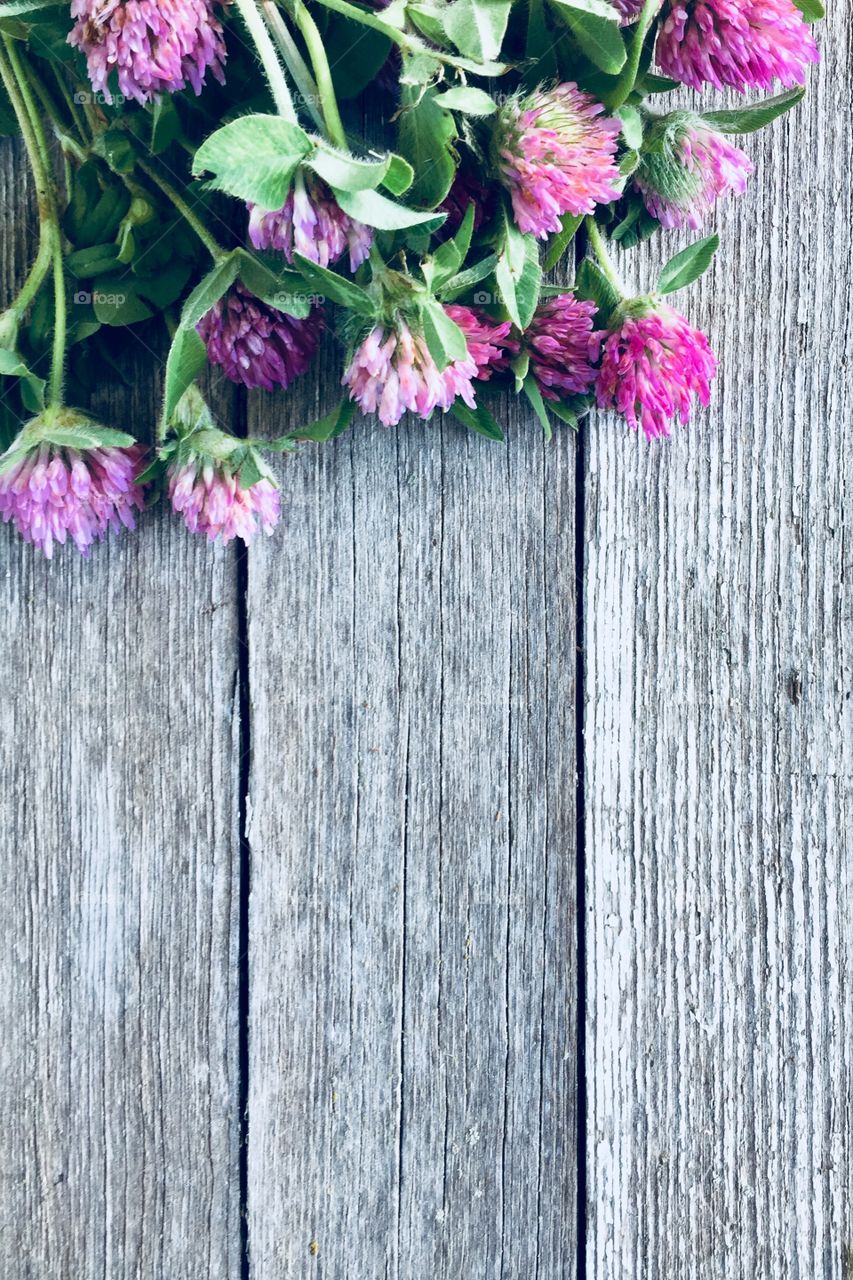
{"points": [[257, 29], [36, 277], [74, 111], [403, 39], [628, 78], [68, 143], [14, 77], [322, 72], [596, 240], [211, 244], [293, 60]]}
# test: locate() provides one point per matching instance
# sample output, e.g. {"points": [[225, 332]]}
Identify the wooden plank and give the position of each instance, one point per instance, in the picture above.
{"points": [[118, 811], [412, 649], [718, 769]]}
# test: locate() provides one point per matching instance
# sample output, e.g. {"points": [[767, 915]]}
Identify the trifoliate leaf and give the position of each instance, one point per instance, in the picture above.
{"points": [[348, 173], [534, 395], [478, 419], [399, 176], [592, 284], [561, 241], [688, 265], [208, 292], [376, 210], [187, 358], [812, 10], [426, 133], [756, 115], [444, 338], [467, 99], [254, 158], [595, 26], [477, 27], [518, 274], [328, 284]]}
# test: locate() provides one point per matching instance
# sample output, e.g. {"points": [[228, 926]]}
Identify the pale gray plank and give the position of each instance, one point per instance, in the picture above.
{"points": [[118, 812], [719, 857], [412, 1066]]}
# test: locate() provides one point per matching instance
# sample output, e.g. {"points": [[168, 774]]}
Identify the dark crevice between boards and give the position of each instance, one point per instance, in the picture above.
{"points": [[580, 831], [245, 871]]}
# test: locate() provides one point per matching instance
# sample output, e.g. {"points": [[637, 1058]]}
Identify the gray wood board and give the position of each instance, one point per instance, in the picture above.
{"points": [[118, 812], [412, 966], [718, 768]]}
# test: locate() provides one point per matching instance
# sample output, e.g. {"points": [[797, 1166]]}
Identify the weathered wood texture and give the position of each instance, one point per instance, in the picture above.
{"points": [[118, 1006], [719, 797], [411, 822], [412, 1030]]}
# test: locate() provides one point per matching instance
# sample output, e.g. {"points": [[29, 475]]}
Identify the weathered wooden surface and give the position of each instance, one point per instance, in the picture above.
{"points": [[119, 847], [409, 1053], [718, 767], [412, 1030]]}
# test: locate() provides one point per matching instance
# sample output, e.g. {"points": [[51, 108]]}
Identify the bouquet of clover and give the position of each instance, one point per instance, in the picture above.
{"points": [[246, 174]]}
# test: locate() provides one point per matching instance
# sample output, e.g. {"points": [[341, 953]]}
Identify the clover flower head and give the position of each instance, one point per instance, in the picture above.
{"points": [[311, 223], [214, 480], [739, 44], [652, 366], [154, 46], [489, 343], [563, 346], [212, 501], [690, 166], [256, 344], [52, 492], [555, 154], [392, 371]]}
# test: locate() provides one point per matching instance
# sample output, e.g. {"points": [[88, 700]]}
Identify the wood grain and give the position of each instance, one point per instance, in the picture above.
{"points": [[118, 865], [718, 768], [412, 1061]]}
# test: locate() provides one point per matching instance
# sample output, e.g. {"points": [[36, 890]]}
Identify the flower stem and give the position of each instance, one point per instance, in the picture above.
{"points": [[322, 72], [35, 279], [14, 77], [266, 52], [625, 84], [73, 110], [211, 244], [596, 239], [68, 143], [403, 39], [293, 60]]}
